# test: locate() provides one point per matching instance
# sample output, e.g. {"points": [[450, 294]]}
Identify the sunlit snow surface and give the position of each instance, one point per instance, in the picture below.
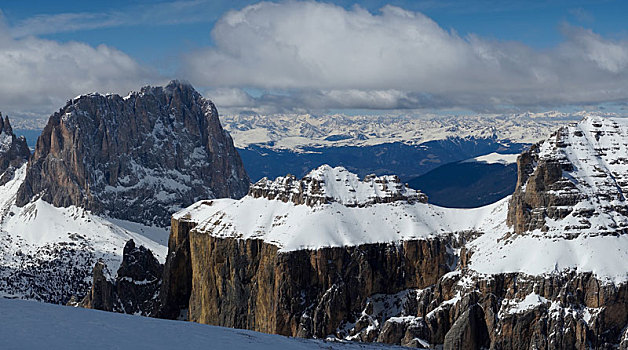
{"points": [[33, 325]]}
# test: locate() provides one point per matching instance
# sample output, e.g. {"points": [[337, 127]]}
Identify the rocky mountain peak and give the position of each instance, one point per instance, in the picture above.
{"points": [[140, 157], [13, 150], [575, 182], [5, 125], [327, 184]]}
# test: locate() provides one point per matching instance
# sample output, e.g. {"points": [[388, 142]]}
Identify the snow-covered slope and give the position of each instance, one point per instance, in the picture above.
{"points": [[294, 227], [32, 325], [295, 132], [47, 253]]}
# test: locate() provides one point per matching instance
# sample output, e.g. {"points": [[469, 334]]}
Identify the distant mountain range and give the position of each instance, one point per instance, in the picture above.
{"points": [[299, 132], [408, 146], [406, 161]]}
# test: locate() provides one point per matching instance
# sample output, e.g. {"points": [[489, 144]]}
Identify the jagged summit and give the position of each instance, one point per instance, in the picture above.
{"points": [[140, 157], [326, 185], [575, 182], [13, 150], [146, 89]]}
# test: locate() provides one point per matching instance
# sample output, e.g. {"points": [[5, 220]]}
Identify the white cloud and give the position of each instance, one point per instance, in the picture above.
{"points": [[37, 76], [329, 56]]}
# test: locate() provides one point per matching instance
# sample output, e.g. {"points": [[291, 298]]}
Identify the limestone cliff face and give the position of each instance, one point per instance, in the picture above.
{"points": [[309, 293], [139, 157], [515, 311], [13, 151]]}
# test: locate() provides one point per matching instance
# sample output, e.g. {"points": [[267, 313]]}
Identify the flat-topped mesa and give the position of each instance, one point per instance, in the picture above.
{"points": [[139, 158], [575, 182], [336, 185]]}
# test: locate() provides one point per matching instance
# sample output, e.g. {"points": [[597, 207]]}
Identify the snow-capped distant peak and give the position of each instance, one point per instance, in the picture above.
{"points": [[494, 158], [326, 185]]}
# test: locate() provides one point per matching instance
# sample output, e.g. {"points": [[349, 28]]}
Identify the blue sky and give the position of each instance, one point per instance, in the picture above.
{"points": [[478, 55], [535, 23]]}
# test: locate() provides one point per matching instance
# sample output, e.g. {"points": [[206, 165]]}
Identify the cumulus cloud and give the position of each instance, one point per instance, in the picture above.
{"points": [[326, 55], [37, 76]]}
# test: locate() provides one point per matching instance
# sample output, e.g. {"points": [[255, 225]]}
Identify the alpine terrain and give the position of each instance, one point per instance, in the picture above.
{"points": [[334, 256]]}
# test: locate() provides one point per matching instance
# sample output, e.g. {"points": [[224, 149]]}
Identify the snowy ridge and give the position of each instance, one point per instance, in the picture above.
{"points": [[295, 132], [47, 253], [326, 184], [598, 150], [292, 226]]}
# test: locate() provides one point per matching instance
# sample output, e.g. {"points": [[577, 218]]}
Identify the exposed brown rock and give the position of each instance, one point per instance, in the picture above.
{"points": [[250, 284], [101, 295], [469, 331], [535, 197], [138, 158]]}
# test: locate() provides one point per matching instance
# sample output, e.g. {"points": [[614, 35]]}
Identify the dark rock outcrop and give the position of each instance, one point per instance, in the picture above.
{"points": [[540, 191], [101, 296], [176, 286], [13, 151], [138, 158], [469, 331], [135, 288]]}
